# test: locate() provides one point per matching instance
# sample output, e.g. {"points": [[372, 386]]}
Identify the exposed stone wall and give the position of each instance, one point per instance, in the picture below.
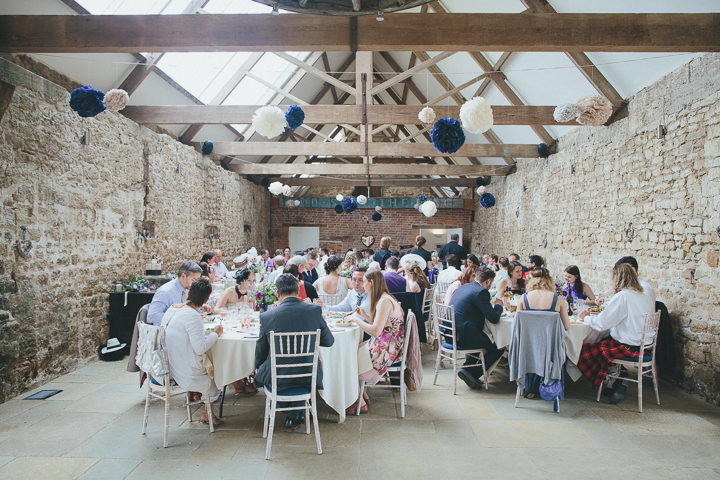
{"points": [[602, 179], [82, 205]]}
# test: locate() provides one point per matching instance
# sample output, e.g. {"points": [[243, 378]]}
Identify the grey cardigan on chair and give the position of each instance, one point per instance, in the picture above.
{"points": [[537, 346]]}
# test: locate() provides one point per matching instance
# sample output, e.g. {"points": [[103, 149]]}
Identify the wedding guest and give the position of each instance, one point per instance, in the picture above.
{"points": [[541, 296], [467, 276], [493, 262], [350, 261], [238, 293], [472, 307], [385, 323], [221, 270], [357, 297], [324, 256], [514, 257], [419, 249], [452, 272], [290, 315], [416, 280], [298, 261], [514, 283], [264, 261], [287, 253], [453, 247], [647, 288], [624, 316], [501, 274], [373, 267], [305, 289], [186, 343], [279, 263], [172, 292], [382, 255], [208, 258], [576, 288], [396, 283], [332, 283], [309, 273], [474, 260], [536, 261]]}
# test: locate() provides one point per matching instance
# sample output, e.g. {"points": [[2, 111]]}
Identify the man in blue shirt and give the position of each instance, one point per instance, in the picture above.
{"points": [[174, 291], [356, 297]]}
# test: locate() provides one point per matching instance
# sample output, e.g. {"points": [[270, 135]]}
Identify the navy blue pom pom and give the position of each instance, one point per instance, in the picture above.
{"points": [[349, 204], [543, 150], [422, 198], [294, 116], [376, 217], [87, 101], [487, 200], [338, 209], [447, 135], [207, 147]]}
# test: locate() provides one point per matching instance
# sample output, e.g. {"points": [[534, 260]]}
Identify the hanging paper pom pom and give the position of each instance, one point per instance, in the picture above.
{"points": [[295, 116], [447, 135], [565, 112], [594, 110], [276, 188], [290, 203], [476, 115], [543, 150], [481, 190], [339, 197], [338, 209], [207, 147], [87, 101], [116, 99], [349, 205], [427, 115], [297, 203], [487, 200], [428, 208], [378, 208], [269, 121], [286, 190], [422, 198], [361, 199], [376, 217]]}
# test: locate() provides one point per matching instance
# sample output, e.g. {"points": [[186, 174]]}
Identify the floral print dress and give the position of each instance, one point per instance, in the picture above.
{"points": [[386, 349]]}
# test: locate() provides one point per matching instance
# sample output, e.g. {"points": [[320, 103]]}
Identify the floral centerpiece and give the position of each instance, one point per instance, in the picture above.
{"points": [[365, 262], [265, 294], [137, 284], [560, 287]]}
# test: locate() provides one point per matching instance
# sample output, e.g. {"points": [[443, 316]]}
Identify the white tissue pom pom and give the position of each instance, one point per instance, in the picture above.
{"points": [[481, 190], [427, 115], [289, 203], [428, 208], [565, 112], [276, 188], [594, 110], [297, 203], [116, 99], [476, 115], [339, 197], [378, 208], [269, 121], [286, 190], [361, 199]]}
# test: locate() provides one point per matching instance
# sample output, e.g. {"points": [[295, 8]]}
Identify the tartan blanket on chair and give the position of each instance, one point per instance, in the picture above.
{"points": [[595, 358]]}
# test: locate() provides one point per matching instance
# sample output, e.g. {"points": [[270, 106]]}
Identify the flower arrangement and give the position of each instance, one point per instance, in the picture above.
{"points": [[347, 273], [265, 294], [137, 284], [365, 262], [560, 287]]}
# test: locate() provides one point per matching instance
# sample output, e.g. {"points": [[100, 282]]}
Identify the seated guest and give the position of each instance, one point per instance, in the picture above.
{"points": [[451, 273], [305, 290], [493, 263], [647, 288], [541, 296], [501, 274], [324, 256], [238, 293], [279, 263], [473, 260], [291, 315], [624, 316], [472, 308], [467, 276], [264, 262], [385, 324], [350, 261], [298, 261], [186, 343], [373, 267], [382, 255], [485, 261], [357, 297], [221, 270], [309, 273], [208, 258], [577, 289], [416, 280], [174, 291], [395, 282], [514, 283], [332, 283], [536, 261], [287, 253]]}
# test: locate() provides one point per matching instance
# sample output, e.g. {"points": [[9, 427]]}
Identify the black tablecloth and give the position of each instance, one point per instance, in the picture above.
{"points": [[413, 301], [122, 315]]}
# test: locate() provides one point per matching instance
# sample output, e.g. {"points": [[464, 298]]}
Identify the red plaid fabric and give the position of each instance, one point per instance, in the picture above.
{"points": [[595, 358]]}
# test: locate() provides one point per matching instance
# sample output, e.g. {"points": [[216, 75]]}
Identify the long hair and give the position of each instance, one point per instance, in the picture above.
{"points": [[379, 287], [541, 280], [385, 242], [512, 266], [468, 275], [578, 284], [350, 260], [624, 276], [419, 275]]}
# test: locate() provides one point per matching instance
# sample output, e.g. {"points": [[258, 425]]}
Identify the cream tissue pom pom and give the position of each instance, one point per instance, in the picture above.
{"points": [[476, 115], [361, 199], [269, 121], [594, 110], [428, 208], [116, 99], [427, 115], [339, 197], [565, 112], [276, 188], [296, 203], [286, 190], [481, 190]]}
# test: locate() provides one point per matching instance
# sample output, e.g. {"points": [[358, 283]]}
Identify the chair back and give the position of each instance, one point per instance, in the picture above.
{"points": [[441, 289], [142, 314], [445, 324], [294, 355], [409, 325], [537, 345], [330, 300], [140, 318], [650, 330], [428, 300], [150, 339]]}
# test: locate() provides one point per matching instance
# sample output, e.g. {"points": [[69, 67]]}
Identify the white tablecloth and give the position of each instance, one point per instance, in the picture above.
{"points": [[234, 358]]}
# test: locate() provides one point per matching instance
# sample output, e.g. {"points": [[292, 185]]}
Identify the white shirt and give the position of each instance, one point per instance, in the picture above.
{"points": [[624, 316], [221, 270], [449, 275], [321, 266], [647, 289]]}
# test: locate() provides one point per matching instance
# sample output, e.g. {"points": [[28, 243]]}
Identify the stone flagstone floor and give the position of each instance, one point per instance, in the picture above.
{"points": [[92, 431]]}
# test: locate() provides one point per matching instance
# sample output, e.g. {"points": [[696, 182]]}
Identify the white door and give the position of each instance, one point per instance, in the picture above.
{"points": [[302, 238], [450, 231]]}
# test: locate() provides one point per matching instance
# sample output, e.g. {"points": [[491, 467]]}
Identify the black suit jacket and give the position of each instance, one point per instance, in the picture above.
{"points": [[472, 309], [381, 257], [452, 248], [292, 315], [310, 276]]}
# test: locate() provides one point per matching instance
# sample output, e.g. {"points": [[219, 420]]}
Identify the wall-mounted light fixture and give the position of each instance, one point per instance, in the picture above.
{"points": [[24, 246]]}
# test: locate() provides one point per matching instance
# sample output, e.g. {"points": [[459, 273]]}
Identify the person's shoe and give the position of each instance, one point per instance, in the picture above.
{"points": [[470, 381], [619, 393], [292, 423], [216, 421], [249, 387]]}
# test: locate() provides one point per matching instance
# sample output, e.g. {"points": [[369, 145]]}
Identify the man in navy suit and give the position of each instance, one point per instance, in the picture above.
{"points": [[310, 274], [292, 315], [472, 309]]}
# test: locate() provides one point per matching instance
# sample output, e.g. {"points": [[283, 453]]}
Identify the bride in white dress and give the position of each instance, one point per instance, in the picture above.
{"points": [[332, 283]]}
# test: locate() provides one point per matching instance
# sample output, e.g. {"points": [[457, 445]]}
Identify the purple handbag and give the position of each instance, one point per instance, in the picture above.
{"points": [[550, 392]]}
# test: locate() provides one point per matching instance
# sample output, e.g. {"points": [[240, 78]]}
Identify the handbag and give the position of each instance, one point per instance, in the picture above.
{"points": [[159, 360], [550, 391]]}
